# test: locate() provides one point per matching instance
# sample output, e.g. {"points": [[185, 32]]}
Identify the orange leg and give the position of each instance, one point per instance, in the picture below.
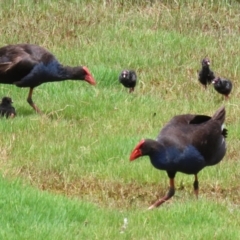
{"points": [[131, 90], [12, 115], [170, 193], [195, 185], [30, 101], [226, 97]]}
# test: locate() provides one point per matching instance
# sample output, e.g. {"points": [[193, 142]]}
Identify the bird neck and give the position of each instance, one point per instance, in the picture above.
{"points": [[205, 68], [73, 73], [155, 150], [52, 71]]}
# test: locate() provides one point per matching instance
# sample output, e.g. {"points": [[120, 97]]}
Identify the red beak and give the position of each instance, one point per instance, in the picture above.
{"points": [[137, 152], [89, 78]]}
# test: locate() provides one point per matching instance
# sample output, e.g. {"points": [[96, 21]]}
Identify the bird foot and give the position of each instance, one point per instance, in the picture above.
{"points": [[226, 97], [196, 193], [33, 105], [158, 203], [151, 207], [37, 110], [131, 90], [12, 115]]}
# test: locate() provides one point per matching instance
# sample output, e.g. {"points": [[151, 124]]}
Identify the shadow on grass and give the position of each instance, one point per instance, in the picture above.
{"points": [[25, 111]]}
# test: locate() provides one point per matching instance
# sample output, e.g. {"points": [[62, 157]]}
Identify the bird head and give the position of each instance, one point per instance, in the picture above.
{"points": [[146, 147], [206, 62], [88, 76], [124, 74], [216, 80], [7, 100], [137, 151]]}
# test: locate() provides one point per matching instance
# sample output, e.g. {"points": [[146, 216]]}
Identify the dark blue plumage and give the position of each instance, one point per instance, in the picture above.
{"points": [[28, 65], [222, 86], [51, 71], [173, 158], [205, 75], [128, 78], [187, 144], [6, 108]]}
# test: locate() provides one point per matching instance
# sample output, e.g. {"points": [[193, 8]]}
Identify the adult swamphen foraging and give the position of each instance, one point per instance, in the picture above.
{"points": [[128, 78], [187, 144], [222, 86], [6, 108], [28, 65], [205, 75]]}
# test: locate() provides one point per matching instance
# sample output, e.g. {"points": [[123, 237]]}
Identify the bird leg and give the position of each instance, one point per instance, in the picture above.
{"points": [[131, 90], [195, 185], [30, 101], [226, 97], [170, 193], [12, 115]]}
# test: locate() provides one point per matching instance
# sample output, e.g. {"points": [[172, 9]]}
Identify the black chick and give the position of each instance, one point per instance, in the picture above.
{"points": [[205, 75], [128, 78], [6, 108], [222, 86]]}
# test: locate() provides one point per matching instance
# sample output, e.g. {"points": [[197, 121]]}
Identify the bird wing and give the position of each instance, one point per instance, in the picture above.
{"points": [[189, 130], [5, 66], [25, 55], [133, 76], [13, 56], [228, 84], [202, 132], [211, 75], [177, 131]]}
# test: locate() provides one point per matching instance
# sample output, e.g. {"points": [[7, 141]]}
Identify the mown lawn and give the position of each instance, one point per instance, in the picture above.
{"points": [[66, 174]]}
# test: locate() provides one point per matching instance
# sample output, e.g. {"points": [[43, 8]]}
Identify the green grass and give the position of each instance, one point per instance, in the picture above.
{"points": [[30, 214], [78, 150]]}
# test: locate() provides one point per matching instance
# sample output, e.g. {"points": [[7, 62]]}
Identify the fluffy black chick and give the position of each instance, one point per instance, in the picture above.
{"points": [[128, 78], [6, 108], [222, 86], [206, 75]]}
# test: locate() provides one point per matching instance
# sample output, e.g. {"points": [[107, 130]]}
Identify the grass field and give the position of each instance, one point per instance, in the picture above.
{"points": [[66, 174]]}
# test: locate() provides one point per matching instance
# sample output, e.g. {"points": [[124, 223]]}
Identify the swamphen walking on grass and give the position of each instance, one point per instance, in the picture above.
{"points": [[222, 86], [128, 78], [205, 75], [187, 144], [28, 65], [6, 108]]}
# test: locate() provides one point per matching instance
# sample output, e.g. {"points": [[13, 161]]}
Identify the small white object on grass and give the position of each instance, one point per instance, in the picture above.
{"points": [[124, 226]]}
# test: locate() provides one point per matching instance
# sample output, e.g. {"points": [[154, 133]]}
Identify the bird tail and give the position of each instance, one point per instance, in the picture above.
{"points": [[220, 115], [224, 132]]}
